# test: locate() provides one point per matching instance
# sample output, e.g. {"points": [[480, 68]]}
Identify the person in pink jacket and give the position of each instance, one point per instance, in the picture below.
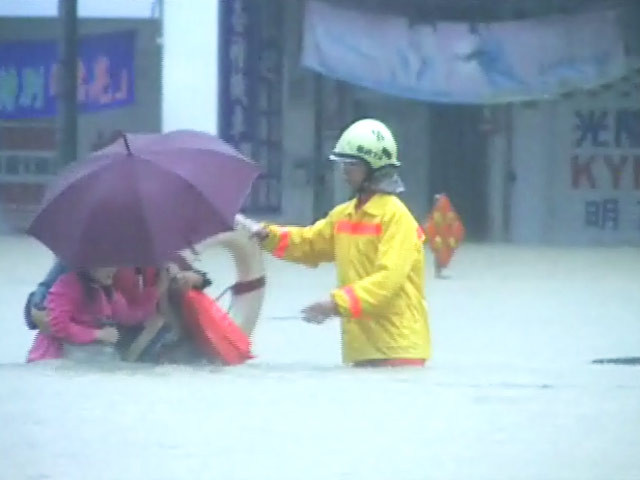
{"points": [[83, 306]]}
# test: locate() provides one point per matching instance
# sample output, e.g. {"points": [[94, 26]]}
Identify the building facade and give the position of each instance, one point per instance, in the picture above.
{"points": [[561, 170]]}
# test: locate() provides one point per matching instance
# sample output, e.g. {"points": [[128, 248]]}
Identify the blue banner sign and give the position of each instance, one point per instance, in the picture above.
{"points": [[29, 78]]}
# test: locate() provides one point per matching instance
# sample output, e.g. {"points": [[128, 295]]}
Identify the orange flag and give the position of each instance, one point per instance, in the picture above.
{"points": [[444, 230]]}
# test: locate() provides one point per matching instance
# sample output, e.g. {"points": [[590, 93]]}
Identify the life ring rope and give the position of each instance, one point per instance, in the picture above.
{"points": [[249, 288], [242, 288]]}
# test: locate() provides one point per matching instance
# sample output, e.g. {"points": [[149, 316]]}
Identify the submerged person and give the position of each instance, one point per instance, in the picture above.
{"points": [[165, 338], [34, 309], [134, 285], [84, 308], [377, 246]]}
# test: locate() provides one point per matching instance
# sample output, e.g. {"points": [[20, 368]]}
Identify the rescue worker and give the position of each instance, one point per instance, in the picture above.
{"points": [[377, 247]]}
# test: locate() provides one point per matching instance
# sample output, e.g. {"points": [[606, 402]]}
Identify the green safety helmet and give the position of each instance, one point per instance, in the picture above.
{"points": [[368, 140]]}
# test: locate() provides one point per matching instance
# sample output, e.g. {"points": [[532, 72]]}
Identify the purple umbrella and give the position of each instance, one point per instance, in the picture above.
{"points": [[143, 198]]}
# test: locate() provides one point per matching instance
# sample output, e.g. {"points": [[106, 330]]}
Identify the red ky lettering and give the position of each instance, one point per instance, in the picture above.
{"points": [[615, 169], [580, 170]]}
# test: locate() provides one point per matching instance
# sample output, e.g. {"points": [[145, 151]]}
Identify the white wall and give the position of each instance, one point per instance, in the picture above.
{"points": [[410, 124], [190, 65], [547, 205], [531, 154], [497, 165]]}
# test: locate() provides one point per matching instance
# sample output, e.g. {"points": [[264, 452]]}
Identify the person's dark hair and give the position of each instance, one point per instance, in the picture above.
{"points": [[90, 286]]}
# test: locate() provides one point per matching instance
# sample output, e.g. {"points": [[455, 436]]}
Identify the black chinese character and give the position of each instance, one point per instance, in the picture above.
{"points": [[592, 213], [610, 213], [239, 17], [603, 214], [590, 125], [627, 128]]}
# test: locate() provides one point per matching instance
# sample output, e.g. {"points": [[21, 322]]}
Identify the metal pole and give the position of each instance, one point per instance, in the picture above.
{"points": [[510, 174], [318, 165], [67, 134]]}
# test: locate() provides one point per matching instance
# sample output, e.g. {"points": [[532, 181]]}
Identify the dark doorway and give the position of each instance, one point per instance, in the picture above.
{"points": [[458, 164]]}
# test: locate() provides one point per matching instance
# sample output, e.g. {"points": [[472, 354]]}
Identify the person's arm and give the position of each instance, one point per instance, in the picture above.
{"points": [[134, 313], [306, 245], [195, 279], [187, 277], [146, 304], [41, 291], [63, 302]]}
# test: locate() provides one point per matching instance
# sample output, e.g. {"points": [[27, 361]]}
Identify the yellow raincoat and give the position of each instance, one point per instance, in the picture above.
{"points": [[379, 256]]}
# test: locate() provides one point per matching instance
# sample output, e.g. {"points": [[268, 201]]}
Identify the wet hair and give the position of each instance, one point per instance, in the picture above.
{"points": [[91, 287]]}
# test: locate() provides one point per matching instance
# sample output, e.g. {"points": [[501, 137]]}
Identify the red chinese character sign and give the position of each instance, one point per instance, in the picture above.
{"points": [[444, 231]]}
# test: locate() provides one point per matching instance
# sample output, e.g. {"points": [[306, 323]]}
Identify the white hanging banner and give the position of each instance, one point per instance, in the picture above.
{"points": [[453, 62]]}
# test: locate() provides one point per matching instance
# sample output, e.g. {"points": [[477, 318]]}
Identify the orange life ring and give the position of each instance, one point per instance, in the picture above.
{"points": [[226, 335], [213, 329]]}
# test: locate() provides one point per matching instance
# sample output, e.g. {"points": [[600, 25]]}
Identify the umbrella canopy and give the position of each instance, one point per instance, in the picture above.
{"points": [[143, 198]]}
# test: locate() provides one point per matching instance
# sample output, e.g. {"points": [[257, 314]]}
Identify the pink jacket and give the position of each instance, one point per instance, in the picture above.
{"points": [[128, 283], [75, 319]]}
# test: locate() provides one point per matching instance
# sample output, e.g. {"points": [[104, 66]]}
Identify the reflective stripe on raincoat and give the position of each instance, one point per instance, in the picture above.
{"points": [[379, 256]]}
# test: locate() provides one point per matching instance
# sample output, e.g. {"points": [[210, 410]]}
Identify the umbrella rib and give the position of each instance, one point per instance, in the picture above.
{"points": [[76, 172], [193, 185], [142, 201], [88, 213], [162, 148], [231, 153], [91, 211], [92, 203]]}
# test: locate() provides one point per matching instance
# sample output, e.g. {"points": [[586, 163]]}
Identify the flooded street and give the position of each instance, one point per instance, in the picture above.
{"points": [[509, 394]]}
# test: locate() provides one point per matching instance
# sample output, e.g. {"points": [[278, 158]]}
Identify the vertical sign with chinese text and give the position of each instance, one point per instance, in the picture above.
{"points": [[250, 96]]}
